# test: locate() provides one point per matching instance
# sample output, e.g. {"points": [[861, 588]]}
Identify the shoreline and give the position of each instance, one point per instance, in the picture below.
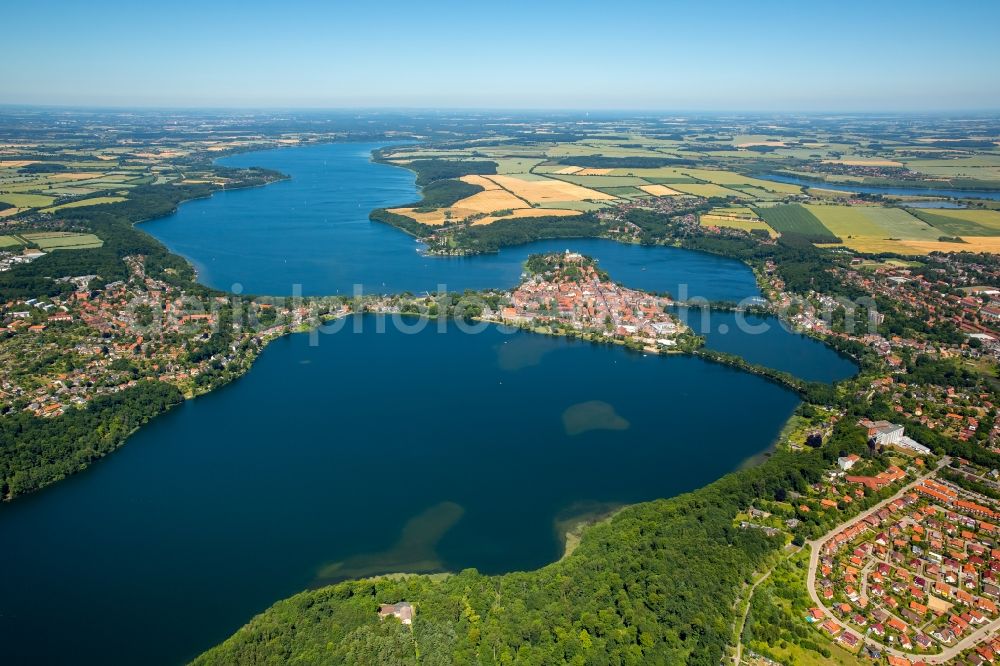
{"points": [[247, 362]]}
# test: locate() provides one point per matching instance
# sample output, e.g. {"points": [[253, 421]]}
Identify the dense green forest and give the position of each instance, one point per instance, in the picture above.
{"points": [[491, 237], [429, 171], [35, 452], [656, 584]]}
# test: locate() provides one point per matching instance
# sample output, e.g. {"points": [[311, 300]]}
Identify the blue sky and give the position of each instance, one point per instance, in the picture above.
{"points": [[751, 55]]}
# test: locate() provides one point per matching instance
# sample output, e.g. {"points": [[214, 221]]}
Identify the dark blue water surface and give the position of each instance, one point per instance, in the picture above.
{"points": [[768, 342], [873, 189], [312, 465]]}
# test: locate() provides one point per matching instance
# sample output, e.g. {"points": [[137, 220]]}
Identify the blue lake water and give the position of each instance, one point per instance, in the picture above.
{"points": [[312, 466], [411, 449], [872, 189], [313, 231]]}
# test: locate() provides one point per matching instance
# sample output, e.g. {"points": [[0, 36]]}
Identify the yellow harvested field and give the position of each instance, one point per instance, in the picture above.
{"points": [[751, 144], [734, 222], [7, 212], [919, 247], [15, 164], [490, 201], [165, 154], [540, 191], [434, 218], [484, 183], [566, 171], [528, 212], [659, 190], [76, 175], [865, 162], [593, 172]]}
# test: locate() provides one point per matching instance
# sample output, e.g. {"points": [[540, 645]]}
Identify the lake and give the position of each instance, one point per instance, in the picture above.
{"points": [[412, 449], [872, 189], [313, 231], [368, 453]]}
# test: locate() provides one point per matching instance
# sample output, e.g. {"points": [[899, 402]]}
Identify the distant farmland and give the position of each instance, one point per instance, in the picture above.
{"points": [[795, 220], [962, 222]]}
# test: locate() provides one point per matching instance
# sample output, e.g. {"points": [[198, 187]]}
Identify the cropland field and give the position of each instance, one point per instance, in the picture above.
{"points": [[516, 165], [796, 219], [526, 212], [489, 201], [708, 190], [962, 222], [93, 201], [731, 178], [9, 241], [594, 181], [874, 222], [481, 181], [540, 191], [914, 247], [659, 190], [736, 217], [21, 200], [865, 162], [65, 240]]}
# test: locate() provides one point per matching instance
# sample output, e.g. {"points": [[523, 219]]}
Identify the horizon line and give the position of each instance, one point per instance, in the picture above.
{"points": [[488, 109]]}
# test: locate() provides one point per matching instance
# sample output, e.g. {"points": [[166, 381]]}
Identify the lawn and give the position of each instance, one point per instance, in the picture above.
{"points": [[796, 219]]}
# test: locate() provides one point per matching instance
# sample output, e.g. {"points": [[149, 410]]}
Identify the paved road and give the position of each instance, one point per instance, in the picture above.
{"points": [[948, 653]]}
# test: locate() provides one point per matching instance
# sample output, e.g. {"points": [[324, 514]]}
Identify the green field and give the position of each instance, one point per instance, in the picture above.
{"points": [[94, 201], [9, 241], [797, 220], [708, 190], [516, 165], [21, 200], [899, 223], [874, 222], [626, 192], [961, 222], [732, 178], [63, 240]]}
